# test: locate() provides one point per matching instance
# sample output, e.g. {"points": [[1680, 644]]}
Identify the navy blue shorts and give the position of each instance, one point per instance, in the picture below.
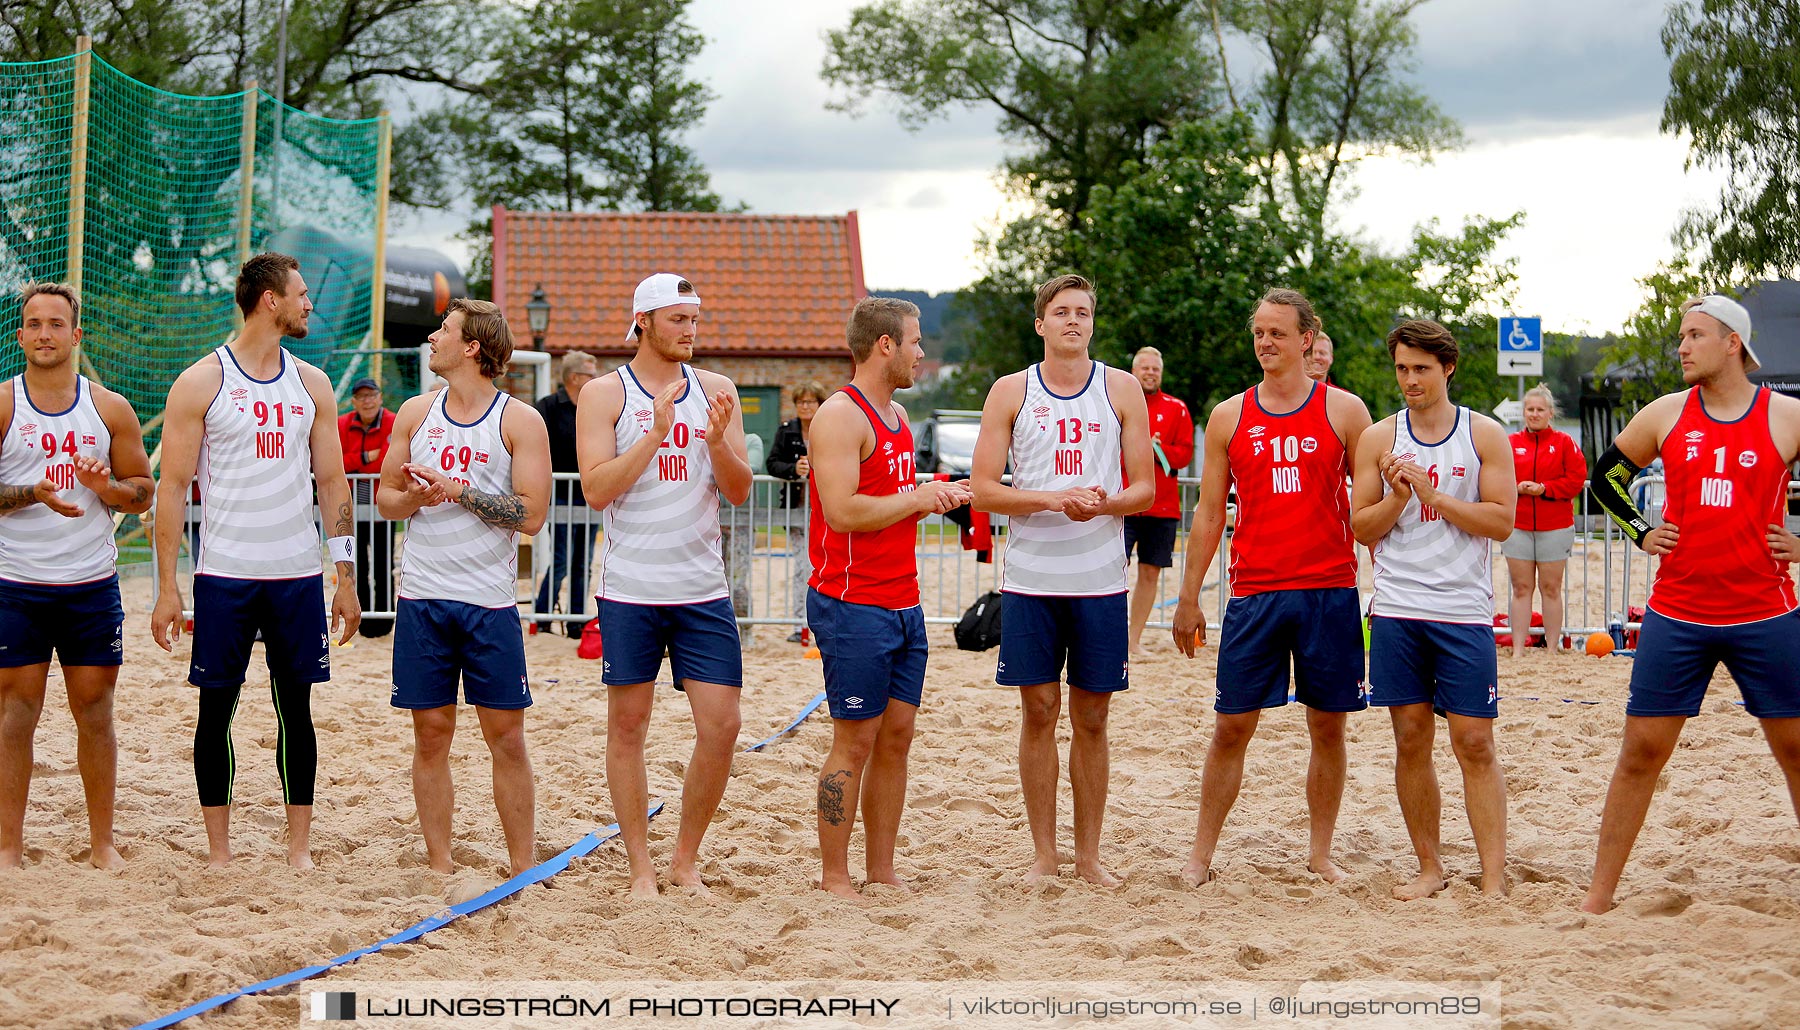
{"points": [[1675, 662], [1154, 538], [82, 622], [438, 642], [1320, 630], [1038, 633], [1448, 665], [871, 655], [701, 639], [228, 612]]}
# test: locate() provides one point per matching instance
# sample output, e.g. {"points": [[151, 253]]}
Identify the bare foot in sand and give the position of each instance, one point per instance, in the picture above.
{"points": [[1325, 870], [301, 859], [892, 880], [688, 877], [842, 888], [105, 856], [644, 886], [218, 858], [1041, 869], [1597, 904], [1425, 886], [1194, 874], [1096, 874], [12, 858], [1493, 886]]}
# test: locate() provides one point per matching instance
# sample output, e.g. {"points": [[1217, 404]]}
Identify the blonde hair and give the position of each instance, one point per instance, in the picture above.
{"points": [[63, 290], [483, 324], [873, 318], [1047, 292], [1541, 390]]}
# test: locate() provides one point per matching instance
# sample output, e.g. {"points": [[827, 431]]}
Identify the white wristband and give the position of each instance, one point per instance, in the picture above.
{"points": [[342, 548]]}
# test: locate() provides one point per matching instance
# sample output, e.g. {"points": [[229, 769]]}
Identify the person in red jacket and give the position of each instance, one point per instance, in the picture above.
{"points": [[1152, 533], [1551, 472], [363, 433]]}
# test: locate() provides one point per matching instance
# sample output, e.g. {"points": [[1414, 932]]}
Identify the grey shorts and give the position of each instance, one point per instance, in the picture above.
{"points": [[1540, 546]]}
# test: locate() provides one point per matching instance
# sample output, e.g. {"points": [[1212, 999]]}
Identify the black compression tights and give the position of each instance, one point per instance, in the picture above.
{"points": [[296, 748]]}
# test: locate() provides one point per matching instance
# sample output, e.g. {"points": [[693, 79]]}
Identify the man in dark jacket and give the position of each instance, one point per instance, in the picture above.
{"points": [[572, 524], [363, 433]]}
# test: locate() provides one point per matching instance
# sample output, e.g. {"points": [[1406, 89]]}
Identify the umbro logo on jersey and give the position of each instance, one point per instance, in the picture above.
{"points": [[1258, 430], [28, 428], [1696, 436], [239, 394], [887, 446], [1518, 450], [1408, 456], [436, 431], [853, 702]]}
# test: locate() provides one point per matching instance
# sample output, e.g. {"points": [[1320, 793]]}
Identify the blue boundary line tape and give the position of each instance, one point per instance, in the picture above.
{"points": [[536, 874], [811, 707]]}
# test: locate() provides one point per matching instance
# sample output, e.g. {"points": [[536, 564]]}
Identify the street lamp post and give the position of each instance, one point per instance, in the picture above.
{"points": [[537, 313]]}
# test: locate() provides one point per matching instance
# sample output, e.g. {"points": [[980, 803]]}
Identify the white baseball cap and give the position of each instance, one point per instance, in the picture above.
{"points": [[1733, 316], [662, 290]]}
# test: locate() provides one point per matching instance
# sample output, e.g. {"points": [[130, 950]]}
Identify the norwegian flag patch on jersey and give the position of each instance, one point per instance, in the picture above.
{"points": [[1458, 471], [481, 457], [699, 434], [89, 440], [297, 409]]}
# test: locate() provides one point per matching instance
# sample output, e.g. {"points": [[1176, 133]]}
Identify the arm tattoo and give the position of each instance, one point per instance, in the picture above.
{"points": [[507, 512], [344, 523], [139, 493], [12, 498], [831, 797]]}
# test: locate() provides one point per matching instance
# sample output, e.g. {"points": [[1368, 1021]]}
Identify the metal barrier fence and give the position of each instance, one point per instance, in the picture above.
{"points": [[764, 542]]}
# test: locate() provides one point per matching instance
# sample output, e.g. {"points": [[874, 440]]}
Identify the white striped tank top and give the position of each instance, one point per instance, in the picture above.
{"points": [[450, 555], [256, 490], [662, 535], [1426, 568], [1059, 443], [36, 544]]}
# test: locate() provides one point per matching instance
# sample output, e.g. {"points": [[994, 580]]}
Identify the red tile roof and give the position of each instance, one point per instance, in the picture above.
{"points": [[772, 285]]}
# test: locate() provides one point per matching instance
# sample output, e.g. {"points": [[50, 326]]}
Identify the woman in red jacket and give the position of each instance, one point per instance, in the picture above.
{"points": [[1551, 472]]}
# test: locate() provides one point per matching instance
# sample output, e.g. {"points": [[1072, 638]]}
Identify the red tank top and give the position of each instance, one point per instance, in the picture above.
{"points": [[1293, 520], [1726, 484], [878, 568]]}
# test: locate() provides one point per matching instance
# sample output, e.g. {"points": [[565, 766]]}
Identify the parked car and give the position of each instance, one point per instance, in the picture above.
{"points": [[946, 441]]}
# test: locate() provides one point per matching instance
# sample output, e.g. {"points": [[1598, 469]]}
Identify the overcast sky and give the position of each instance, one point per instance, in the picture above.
{"points": [[1559, 101]]}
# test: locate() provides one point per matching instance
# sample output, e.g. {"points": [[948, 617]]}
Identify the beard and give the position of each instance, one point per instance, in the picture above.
{"points": [[294, 328]]}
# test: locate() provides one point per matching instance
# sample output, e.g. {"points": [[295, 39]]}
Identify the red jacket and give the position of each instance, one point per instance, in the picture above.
{"points": [[356, 438], [1170, 420], [1554, 459]]}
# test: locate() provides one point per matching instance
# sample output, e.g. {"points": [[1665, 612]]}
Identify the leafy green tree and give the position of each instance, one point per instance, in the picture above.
{"points": [[1177, 249], [1334, 91], [1734, 90], [1080, 87], [1643, 360], [1088, 92]]}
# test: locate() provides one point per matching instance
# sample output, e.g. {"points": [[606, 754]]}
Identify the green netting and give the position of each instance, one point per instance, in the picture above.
{"points": [[161, 246]]}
